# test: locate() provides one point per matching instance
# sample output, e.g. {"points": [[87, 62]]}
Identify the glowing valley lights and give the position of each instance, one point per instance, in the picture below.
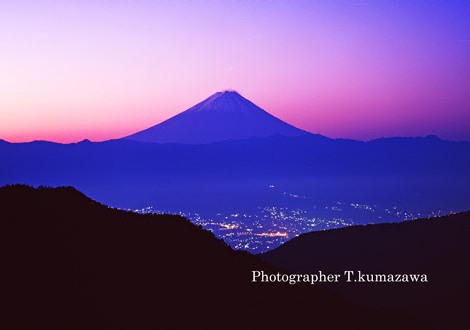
{"points": [[276, 234]]}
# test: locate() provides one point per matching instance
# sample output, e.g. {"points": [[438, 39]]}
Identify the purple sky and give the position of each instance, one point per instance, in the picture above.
{"points": [[93, 69]]}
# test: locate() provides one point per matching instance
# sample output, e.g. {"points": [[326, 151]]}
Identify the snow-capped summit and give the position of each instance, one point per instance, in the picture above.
{"points": [[227, 101], [223, 116]]}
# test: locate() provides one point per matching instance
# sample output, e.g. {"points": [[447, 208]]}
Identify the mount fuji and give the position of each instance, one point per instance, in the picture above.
{"points": [[223, 116]]}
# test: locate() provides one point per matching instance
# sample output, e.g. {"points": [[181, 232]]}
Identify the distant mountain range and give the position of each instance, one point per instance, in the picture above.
{"points": [[69, 262], [125, 173], [223, 116], [437, 247]]}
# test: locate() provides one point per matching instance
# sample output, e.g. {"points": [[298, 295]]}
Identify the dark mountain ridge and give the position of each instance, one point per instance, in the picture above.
{"points": [[307, 155], [72, 263], [437, 247]]}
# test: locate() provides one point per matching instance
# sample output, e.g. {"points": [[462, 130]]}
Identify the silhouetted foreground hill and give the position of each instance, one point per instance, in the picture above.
{"points": [[71, 263], [437, 247]]}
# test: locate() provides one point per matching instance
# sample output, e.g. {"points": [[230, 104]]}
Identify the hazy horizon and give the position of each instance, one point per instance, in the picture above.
{"points": [[227, 90], [343, 69]]}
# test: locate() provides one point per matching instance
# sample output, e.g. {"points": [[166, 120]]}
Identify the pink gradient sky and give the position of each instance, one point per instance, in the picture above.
{"points": [[71, 70]]}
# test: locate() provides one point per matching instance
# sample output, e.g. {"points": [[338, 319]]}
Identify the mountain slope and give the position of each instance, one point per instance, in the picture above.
{"points": [[73, 263], [436, 247], [223, 116]]}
